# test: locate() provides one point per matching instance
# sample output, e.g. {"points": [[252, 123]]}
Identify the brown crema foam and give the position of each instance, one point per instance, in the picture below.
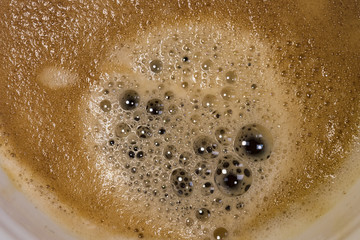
{"points": [[58, 57]]}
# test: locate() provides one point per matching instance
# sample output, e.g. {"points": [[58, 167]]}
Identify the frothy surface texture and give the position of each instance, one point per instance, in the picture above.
{"points": [[204, 120]]}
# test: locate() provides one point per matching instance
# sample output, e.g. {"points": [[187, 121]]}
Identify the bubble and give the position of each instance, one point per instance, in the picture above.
{"points": [[129, 100], [131, 154], [185, 59], [206, 65], [162, 131], [220, 233], [140, 154], [169, 95], [254, 142], [143, 132], [173, 109], [105, 105], [206, 147], [181, 182], [223, 136], [207, 189], [189, 222], [122, 130], [202, 214], [169, 151], [209, 101], [156, 66], [227, 93], [232, 177], [184, 158], [231, 77], [202, 170], [155, 107]]}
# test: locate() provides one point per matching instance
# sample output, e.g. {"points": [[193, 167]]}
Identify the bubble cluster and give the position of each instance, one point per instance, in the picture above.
{"points": [[176, 133]]}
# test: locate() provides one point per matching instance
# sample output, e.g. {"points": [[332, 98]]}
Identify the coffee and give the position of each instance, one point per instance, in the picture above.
{"points": [[186, 120]]}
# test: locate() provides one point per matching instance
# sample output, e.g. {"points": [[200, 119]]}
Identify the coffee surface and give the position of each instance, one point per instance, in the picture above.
{"points": [[180, 120]]}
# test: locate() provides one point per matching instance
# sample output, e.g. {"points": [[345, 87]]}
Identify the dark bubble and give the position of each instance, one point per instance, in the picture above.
{"points": [[230, 77], [185, 59], [105, 105], [206, 147], [169, 151], [184, 158], [220, 233], [232, 177], [181, 182], [143, 132], [202, 214], [129, 100], [203, 170], [207, 189], [131, 154], [162, 131], [156, 66], [155, 106], [140, 154], [111, 142], [254, 142]]}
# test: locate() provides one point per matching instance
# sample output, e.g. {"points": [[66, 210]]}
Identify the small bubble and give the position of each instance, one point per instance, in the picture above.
{"points": [[223, 136], [184, 158], [169, 95], [227, 93], [129, 100], [189, 222], [220, 233], [253, 86], [122, 130], [209, 101], [156, 66], [172, 109], [105, 105], [203, 170], [162, 131], [169, 151], [131, 154], [143, 132], [202, 214], [181, 182], [207, 189], [155, 107], [206, 147], [184, 84], [231, 77], [140, 154], [206, 65], [185, 59]]}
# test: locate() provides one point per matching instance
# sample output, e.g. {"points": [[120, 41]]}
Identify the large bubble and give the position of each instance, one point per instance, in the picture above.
{"points": [[232, 177], [254, 142]]}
